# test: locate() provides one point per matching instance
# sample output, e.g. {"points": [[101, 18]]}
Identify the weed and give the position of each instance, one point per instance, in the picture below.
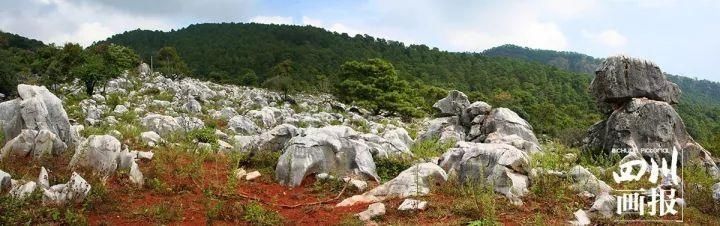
{"points": [[388, 168], [698, 190], [163, 213], [263, 161], [204, 135], [430, 148], [256, 214]]}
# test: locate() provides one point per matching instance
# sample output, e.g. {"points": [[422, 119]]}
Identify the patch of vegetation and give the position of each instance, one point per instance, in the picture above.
{"points": [[474, 200], [256, 214], [221, 210], [30, 211], [113, 100], [430, 148], [360, 125], [263, 161], [388, 168], [163, 213], [165, 96], [204, 135], [698, 190]]}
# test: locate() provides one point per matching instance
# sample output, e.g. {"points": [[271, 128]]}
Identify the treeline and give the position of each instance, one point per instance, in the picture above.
{"points": [[555, 101], [32, 62], [699, 104]]}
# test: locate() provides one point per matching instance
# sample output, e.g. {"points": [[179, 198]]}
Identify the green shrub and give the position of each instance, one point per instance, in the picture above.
{"points": [[263, 161], [698, 190], [430, 148], [388, 168], [204, 135], [256, 214]]}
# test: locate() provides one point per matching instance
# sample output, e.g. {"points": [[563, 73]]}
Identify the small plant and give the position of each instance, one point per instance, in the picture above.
{"points": [[430, 148], [204, 135], [163, 213], [256, 214], [388, 168], [263, 161], [165, 96]]}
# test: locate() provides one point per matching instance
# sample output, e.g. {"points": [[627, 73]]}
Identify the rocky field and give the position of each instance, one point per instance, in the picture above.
{"points": [[147, 149]]}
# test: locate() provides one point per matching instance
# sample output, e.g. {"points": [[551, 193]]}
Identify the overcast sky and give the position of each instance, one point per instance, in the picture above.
{"points": [[682, 37]]}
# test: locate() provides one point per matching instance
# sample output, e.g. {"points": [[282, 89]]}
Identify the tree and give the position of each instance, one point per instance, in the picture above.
{"points": [[375, 85], [101, 63], [169, 63], [281, 79]]}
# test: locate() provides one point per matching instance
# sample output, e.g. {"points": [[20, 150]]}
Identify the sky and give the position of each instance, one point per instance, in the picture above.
{"points": [[682, 37]]}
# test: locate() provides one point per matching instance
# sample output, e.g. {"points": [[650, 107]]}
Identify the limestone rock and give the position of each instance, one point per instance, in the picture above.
{"points": [[74, 191], [374, 210], [412, 204], [332, 149], [242, 125], [453, 104], [414, 181], [505, 122], [621, 78], [98, 152], [161, 124], [583, 180]]}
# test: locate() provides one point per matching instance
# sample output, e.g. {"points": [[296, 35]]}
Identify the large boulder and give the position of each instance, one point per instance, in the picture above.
{"points": [[276, 138], [414, 181], [473, 110], [643, 123], [621, 78], [42, 110], [332, 149], [445, 129], [35, 109], [453, 104], [161, 124], [98, 152], [504, 122], [243, 125], [502, 165]]}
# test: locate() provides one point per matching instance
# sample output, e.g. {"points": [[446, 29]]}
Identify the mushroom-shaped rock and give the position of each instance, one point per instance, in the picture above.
{"points": [[621, 78]]}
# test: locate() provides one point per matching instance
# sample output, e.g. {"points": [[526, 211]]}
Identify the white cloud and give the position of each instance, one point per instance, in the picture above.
{"points": [[609, 38], [61, 21], [336, 27], [272, 20]]}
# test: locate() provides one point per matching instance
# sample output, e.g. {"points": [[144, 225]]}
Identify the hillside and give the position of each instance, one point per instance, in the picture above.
{"points": [[555, 101], [700, 99], [16, 56]]}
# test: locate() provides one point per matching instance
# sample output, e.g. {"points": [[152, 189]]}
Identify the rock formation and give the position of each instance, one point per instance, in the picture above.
{"points": [[642, 116]]}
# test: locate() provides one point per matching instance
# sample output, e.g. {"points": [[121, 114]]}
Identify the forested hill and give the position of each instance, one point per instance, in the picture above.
{"points": [[700, 100], [570, 61], [553, 100]]}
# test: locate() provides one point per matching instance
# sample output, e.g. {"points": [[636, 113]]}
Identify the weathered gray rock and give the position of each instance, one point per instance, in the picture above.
{"points": [[242, 125], [276, 138], [447, 129], [374, 210], [504, 122], [502, 165], [412, 204], [266, 117], [46, 143], [74, 191], [473, 110], [20, 146], [621, 78], [36, 109], [151, 138], [332, 149], [98, 152], [120, 109], [715, 188], [41, 110], [583, 180], [414, 181], [642, 124], [161, 124], [453, 104], [398, 138], [581, 219], [605, 205], [21, 190], [190, 123], [43, 178], [193, 106], [5, 181]]}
